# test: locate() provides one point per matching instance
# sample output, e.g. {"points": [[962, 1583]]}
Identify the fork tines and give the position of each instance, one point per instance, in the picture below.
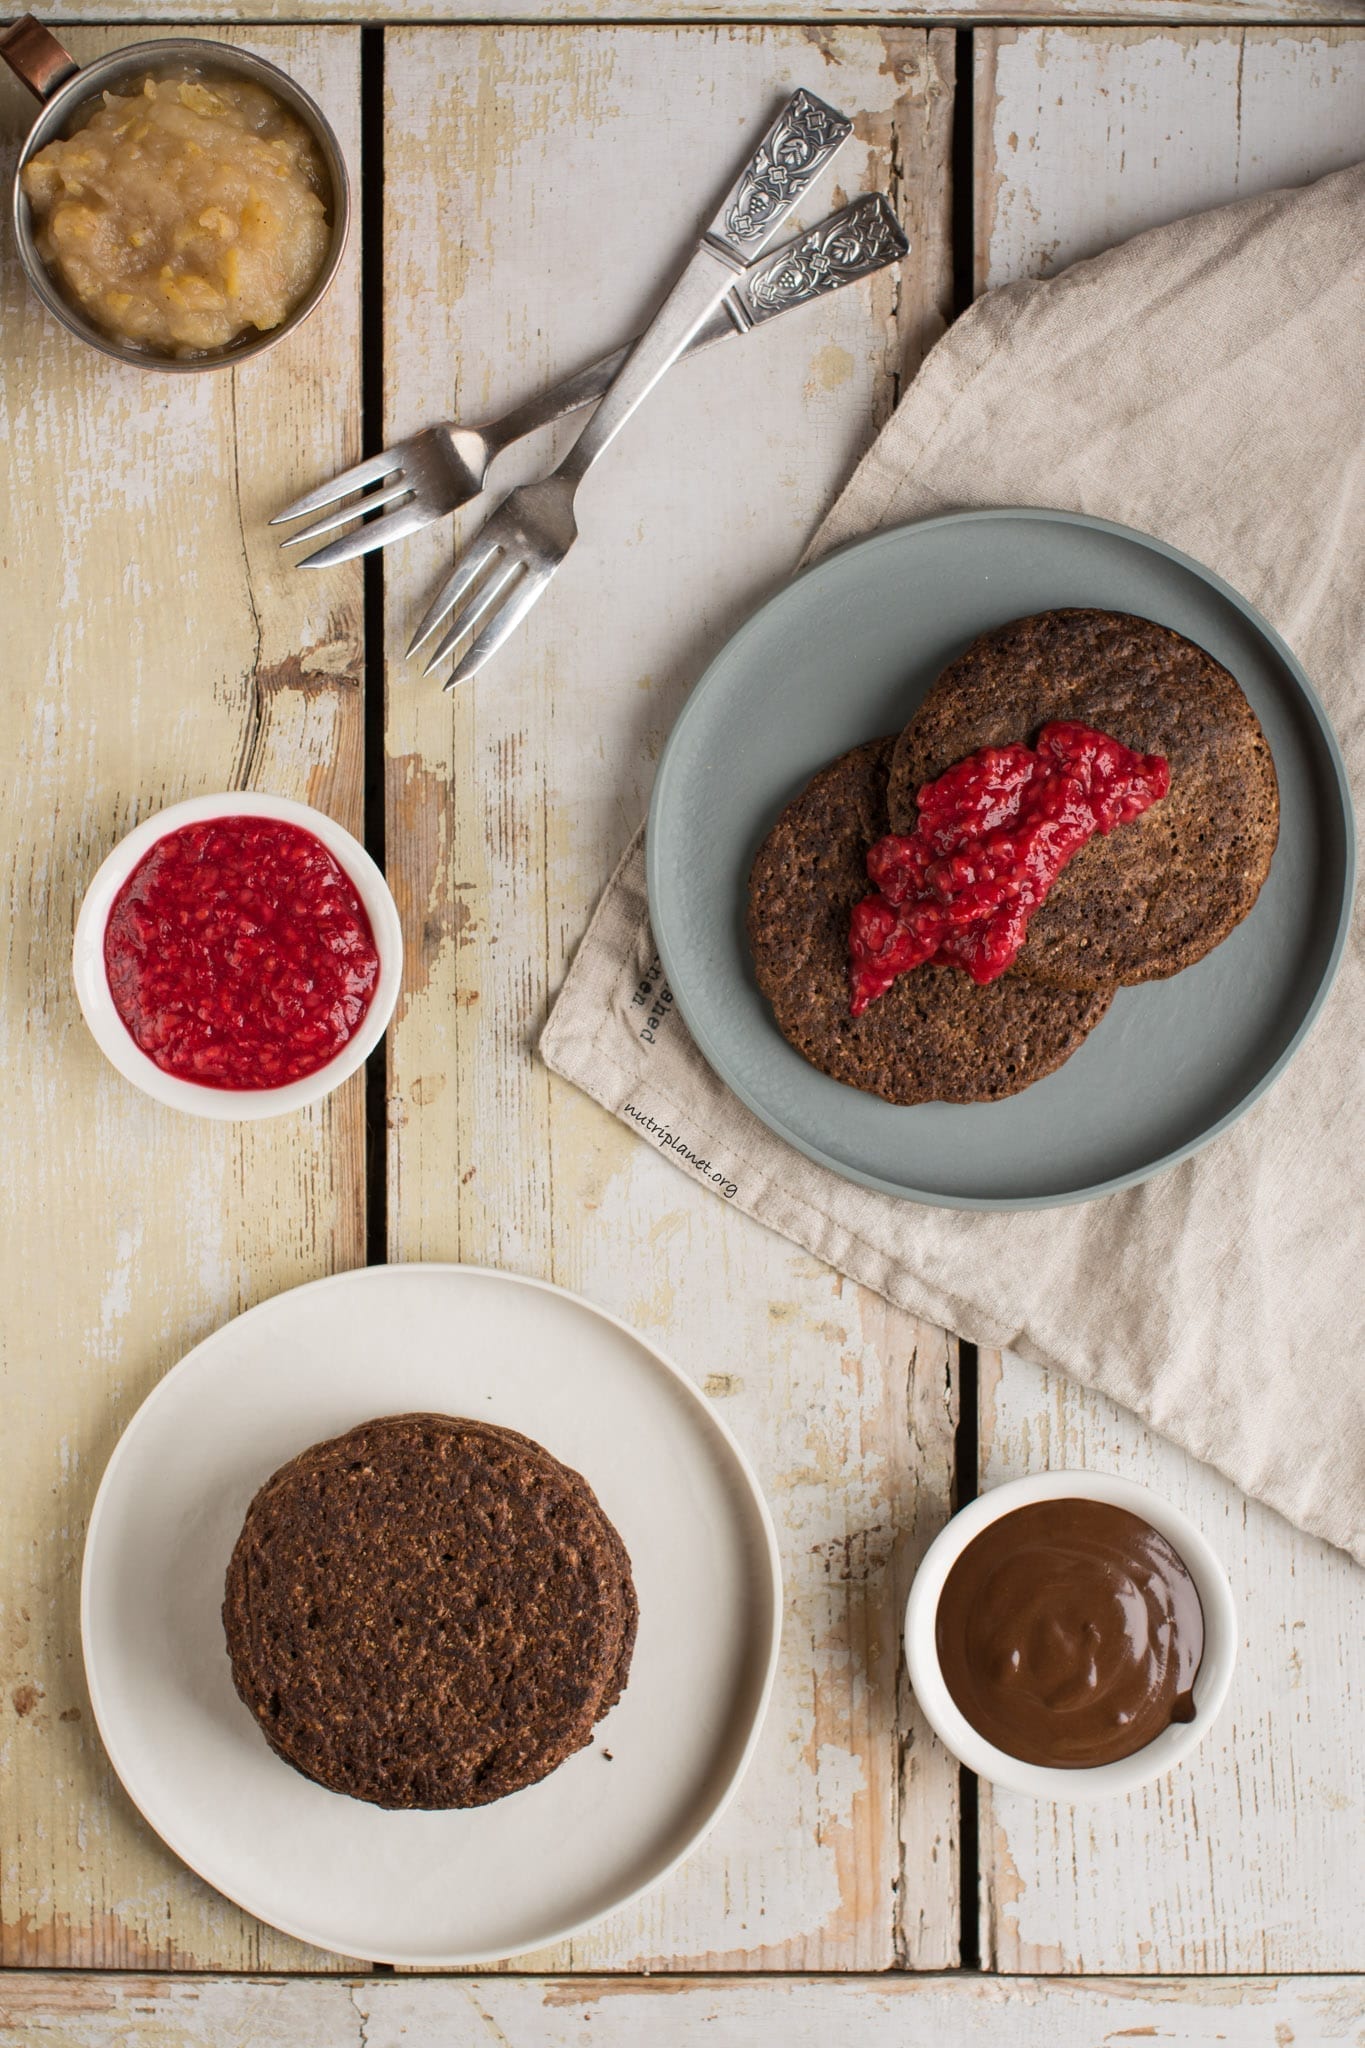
{"points": [[373, 470], [412, 486], [523, 585], [482, 579]]}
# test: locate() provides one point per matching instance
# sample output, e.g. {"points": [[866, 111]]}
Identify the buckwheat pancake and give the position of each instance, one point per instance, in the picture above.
{"points": [[428, 1612], [1161, 892], [935, 1036]]}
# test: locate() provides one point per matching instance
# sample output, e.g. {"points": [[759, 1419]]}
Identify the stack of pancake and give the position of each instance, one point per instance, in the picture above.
{"points": [[1148, 900], [428, 1612]]}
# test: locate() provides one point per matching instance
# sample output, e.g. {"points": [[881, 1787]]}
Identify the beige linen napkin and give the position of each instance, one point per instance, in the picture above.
{"points": [[1204, 382]]}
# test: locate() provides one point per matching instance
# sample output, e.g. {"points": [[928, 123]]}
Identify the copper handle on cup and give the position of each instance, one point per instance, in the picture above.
{"points": [[36, 57]]}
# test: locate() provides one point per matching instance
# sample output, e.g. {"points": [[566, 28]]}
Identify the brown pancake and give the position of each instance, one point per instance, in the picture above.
{"points": [[428, 1612], [935, 1036], [497, 1434], [1159, 893]]}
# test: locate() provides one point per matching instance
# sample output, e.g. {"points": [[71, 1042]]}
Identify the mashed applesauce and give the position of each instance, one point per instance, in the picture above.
{"points": [[183, 213]]}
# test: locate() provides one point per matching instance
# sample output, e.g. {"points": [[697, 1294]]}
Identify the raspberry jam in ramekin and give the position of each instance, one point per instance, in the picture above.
{"points": [[239, 954]]}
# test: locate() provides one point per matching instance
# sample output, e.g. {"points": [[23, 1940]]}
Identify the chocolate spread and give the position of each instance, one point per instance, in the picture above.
{"points": [[1070, 1633]]}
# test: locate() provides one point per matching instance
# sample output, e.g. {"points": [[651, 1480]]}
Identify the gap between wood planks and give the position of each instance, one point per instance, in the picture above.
{"points": [[372, 440], [372, 126], [966, 1441]]}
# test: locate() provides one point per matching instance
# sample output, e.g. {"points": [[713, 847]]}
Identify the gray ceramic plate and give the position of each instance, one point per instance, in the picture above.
{"points": [[844, 654]]}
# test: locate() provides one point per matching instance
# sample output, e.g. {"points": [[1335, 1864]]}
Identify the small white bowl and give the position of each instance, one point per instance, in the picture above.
{"points": [[111, 1034], [1098, 1781]]}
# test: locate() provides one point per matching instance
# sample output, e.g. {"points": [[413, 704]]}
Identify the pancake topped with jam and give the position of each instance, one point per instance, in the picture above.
{"points": [[1153, 898], [935, 1036]]}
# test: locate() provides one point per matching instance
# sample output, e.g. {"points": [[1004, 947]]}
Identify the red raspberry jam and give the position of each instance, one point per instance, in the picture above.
{"points": [[992, 836], [239, 954]]}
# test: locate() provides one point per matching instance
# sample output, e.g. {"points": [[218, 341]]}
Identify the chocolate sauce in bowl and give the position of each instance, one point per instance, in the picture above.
{"points": [[1070, 1633]]}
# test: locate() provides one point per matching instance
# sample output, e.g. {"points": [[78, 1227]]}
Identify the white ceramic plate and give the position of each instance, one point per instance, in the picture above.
{"points": [[431, 1889]]}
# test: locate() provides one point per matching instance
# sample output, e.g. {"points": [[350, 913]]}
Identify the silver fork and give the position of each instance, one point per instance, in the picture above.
{"points": [[434, 473], [503, 573]]}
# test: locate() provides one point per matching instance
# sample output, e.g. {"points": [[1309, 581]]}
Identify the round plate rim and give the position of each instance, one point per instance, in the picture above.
{"points": [[711, 1420], [827, 565]]}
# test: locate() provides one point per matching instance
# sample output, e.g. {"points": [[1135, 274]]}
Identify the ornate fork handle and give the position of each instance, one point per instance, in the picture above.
{"points": [[802, 140], [861, 238], [790, 157], [852, 243]]}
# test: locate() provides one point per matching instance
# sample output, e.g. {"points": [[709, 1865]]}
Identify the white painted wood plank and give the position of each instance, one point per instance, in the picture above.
{"points": [[1250, 1858], [1087, 137], [411, 12], [575, 164], [156, 648], [50, 2011]]}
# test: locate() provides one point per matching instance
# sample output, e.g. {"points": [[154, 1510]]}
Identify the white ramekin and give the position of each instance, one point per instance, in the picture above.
{"points": [[1100, 1781], [115, 1041]]}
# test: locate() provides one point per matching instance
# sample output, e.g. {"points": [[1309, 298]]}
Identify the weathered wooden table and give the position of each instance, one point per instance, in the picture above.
{"points": [[513, 224]]}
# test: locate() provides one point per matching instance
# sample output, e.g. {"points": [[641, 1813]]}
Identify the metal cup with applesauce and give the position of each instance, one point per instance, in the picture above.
{"points": [[52, 74]]}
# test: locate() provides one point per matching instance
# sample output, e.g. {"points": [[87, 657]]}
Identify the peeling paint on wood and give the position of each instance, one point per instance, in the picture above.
{"points": [[157, 648], [506, 808], [902, 12], [674, 2012], [1085, 137], [570, 190], [1248, 1857]]}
